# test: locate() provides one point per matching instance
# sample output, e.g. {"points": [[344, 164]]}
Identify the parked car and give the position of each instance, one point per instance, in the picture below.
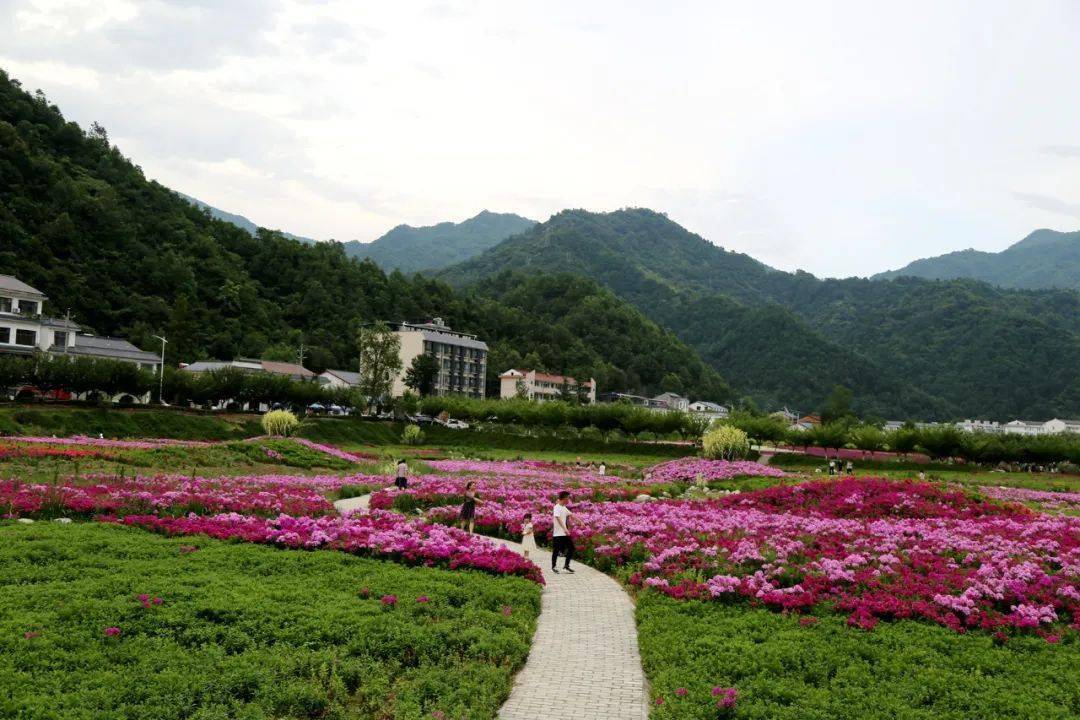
{"points": [[421, 419], [457, 424]]}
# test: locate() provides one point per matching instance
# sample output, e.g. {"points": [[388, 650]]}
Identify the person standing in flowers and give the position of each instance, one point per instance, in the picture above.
{"points": [[528, 539], [468, 508], [560, 533], [402, 480]]}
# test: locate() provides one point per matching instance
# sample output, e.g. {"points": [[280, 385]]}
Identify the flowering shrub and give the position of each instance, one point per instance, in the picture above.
{"points": [[147, 444], [872, 548], [377, 534], [20, 452], [256, 494], [1065, 501], [689, 469]]}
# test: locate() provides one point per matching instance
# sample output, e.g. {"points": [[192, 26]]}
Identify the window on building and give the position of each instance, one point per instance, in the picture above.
{"points": [[5, 335], [25, 337], [29, 307], [60, 338], [5, 304]]}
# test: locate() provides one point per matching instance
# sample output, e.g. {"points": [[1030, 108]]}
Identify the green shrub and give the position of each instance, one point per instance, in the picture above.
{"points": [[786, 670], [412, 435], [725, 442], [245, 631], [279, 423]]}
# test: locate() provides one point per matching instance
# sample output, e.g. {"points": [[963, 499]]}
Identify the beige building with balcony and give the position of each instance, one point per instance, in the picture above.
{"points": [[543, 386], [462, 358]]}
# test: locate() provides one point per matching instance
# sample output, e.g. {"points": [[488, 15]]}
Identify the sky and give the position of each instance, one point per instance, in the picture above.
{"points": [[842, 138]]}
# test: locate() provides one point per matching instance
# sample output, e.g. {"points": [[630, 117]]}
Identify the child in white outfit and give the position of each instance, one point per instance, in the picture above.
{"points": [[528, 541]]}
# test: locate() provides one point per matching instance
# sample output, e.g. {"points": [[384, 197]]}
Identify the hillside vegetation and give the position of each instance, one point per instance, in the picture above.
{"points": [[1044, 259], [411, 249], [907, 348], [130, 257]]}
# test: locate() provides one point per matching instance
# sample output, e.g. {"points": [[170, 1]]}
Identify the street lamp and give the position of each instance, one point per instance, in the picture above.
{"points": [[161, 371]]}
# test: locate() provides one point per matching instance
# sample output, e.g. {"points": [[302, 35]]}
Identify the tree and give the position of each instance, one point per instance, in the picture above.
{"points": [[725, 442], [380, 360], [422, 374], [837, 405]]}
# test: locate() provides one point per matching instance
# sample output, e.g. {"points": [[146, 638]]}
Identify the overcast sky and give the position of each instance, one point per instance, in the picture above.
{"points": [[841, 138]]}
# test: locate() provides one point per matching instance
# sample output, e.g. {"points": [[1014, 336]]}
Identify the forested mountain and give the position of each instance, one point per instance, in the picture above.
{"points": [[238, 220], [908, 347], [1044, 259], [129, 256], [411, 249]]}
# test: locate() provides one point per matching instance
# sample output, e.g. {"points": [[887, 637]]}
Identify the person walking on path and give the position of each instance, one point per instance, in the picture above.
{"points": [[468, 508], [528, 539], [402, 481], [560, 533]]}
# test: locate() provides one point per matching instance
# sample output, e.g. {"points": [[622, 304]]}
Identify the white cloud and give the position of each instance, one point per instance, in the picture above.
{"points": [[842, 138]]}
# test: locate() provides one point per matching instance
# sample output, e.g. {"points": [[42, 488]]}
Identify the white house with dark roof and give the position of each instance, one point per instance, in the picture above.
{"points": [[25, 329], [339, 379], [249, 365]]}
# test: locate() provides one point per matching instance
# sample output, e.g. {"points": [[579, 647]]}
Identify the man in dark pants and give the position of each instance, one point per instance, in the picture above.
{"points": [[560, 533]]}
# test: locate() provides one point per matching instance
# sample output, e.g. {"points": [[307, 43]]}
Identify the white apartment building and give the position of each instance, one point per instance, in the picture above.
{"points": [[984, 426], [1024, 427], [1061, 426], [541, 386], [462, 358], [25, 329]]}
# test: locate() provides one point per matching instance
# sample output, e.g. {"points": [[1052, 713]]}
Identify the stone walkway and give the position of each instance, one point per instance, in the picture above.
{"points": [[584, 662]]}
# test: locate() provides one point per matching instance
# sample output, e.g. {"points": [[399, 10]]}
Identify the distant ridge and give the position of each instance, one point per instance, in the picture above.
{"points": [[1044, 259], [412, 249], [238, 220]]}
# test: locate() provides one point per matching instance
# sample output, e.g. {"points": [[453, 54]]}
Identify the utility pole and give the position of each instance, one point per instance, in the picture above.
{"points": [[161, 371]]}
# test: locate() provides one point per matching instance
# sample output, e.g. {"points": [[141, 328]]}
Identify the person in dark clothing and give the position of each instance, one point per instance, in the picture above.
{"points": [[561, 543]]}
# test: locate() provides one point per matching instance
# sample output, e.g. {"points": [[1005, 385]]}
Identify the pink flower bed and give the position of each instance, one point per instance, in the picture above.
{"points": [[433, 490], [689, 469], [1068, 501], [870, 547], [377, 534], [852, 454], [260, 494], [146, 444]]}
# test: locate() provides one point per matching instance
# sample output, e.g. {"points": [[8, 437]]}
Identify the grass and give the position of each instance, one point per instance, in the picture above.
{"points": [[901, 670], [245, 631]]}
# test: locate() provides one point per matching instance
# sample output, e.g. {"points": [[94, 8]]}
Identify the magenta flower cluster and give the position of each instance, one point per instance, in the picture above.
{"points": [[690, 469], [870, 547], [378, 534], [1061, 501]]}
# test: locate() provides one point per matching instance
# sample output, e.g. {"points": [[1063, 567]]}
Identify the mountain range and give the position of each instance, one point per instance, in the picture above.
{"points": [[1044, 259], [628, 297], [238, 220], [412, 249]]}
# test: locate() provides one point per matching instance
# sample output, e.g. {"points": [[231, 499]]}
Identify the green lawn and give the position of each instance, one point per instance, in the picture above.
{"points": [[828, 671], [245, 631]]}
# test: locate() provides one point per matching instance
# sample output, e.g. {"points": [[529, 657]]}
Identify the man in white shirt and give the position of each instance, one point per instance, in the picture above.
{"points": [[560, 533]]}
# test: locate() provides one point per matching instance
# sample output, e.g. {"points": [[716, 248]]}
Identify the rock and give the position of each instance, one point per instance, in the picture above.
{"points": [[26, 521], [63, 521], [643, 498]]}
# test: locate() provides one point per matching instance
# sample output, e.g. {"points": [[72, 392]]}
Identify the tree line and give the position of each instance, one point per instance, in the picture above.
{"points": [[940, 442]]}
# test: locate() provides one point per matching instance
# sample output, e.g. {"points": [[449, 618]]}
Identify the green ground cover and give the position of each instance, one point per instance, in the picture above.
{"points": [[902, 670], [65, 420], [245, 631]]}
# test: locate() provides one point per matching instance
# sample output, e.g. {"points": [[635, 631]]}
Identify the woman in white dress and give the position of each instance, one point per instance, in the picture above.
{"points": [[528, 541]]}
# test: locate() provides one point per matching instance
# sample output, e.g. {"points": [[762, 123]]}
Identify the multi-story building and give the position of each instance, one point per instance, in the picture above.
{"points": [[462, 358], [544, 386], [25, 329], [983, 426]]}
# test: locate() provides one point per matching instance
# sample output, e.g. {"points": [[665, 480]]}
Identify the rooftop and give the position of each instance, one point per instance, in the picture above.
{"points": [[105, 347], [13, 284], [349, 376]]}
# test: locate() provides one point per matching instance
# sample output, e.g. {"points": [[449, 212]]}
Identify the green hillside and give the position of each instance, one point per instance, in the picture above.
{"points": [[128, 256], [238, 220], [908, 348], [412, 249], [1044, 259]]}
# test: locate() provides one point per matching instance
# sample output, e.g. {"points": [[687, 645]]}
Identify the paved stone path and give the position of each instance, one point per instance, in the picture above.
{"points": [[584, 662]]}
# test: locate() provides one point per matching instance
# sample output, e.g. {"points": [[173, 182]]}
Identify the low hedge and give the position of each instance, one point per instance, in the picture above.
{"points": [[245, 631]]}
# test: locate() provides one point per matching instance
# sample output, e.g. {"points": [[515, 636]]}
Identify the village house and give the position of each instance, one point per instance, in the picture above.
{"points": [[253, 366], [541, 386], [339, 379], [25, 329]]}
